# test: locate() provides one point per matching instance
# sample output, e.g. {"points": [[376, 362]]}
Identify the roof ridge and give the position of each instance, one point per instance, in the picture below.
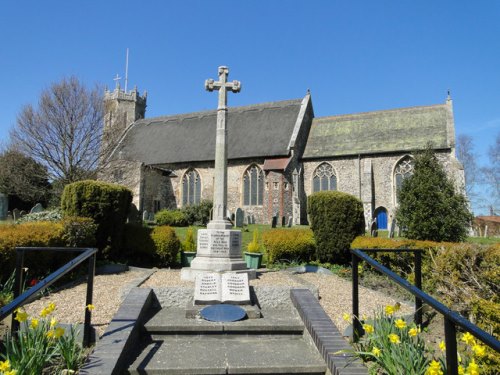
{"points": [[240, 109], [403, 109]]}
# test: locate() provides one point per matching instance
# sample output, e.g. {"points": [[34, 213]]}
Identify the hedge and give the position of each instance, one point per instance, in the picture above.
{"points": [[167, 245], [286, 244], [108, 204], [336, 218], [174, 218]]}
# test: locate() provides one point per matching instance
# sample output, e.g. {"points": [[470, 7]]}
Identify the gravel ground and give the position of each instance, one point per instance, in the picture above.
{"points": [[109, 291]]}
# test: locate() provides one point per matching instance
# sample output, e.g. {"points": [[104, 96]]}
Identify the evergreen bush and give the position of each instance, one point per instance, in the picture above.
{"points": [[167, 245], [139, 247], [429, 206], [108, 204], [79, 231], [336, 219], [189, 243], [286, 244], [198, 214], [173, 218]]}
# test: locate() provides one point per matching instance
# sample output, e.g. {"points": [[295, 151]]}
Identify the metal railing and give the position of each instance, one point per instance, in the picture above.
{"points": [[31, 294], [451, 318]]}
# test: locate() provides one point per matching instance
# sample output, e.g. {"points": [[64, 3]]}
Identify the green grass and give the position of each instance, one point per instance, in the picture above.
{"points": [[484, 240]]}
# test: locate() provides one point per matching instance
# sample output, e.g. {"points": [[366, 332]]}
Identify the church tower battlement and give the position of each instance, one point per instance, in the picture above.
{"points": [[121, 109]]}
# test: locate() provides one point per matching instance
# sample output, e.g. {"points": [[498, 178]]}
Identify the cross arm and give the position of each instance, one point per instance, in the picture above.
{"points": [[211, 85]]}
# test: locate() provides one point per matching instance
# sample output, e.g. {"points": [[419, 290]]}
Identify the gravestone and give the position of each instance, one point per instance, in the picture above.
{"points": [[4, 206], [274, 221], [290, 221], [145, 215], [16, 214], [393, 228], [283, 221], [22, 213], [238, 217], [253, 219], [151, 216], [249, 219], [10, 217], [374, 228], [36, 208]]}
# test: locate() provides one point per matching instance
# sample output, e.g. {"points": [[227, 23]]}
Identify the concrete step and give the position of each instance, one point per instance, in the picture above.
{"points": [[229, 355], [273, 322]]}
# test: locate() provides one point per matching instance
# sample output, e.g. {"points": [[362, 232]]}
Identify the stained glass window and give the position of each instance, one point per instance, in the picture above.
{"points": [[404, 169], [191, 188], [324, 178], [253, 186]]}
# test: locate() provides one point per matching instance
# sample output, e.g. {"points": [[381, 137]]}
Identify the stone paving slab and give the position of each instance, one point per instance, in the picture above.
{"points": [[236, 355]]}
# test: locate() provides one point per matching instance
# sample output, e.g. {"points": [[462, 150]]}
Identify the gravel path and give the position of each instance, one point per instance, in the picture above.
{"points": [[109, 291]]}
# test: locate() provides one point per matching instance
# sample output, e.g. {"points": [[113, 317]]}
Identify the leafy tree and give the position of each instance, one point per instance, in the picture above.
{"points": [[429, 207], [63, 132], [23, 178]]}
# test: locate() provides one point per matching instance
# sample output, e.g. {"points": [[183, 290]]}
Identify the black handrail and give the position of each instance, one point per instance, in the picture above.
{"points": [[451, 318], [31, 294]]}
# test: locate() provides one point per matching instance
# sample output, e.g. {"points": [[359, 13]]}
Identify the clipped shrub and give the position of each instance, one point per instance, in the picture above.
{"points": [[167, 245], [79, 231], [254, 246], [189, 243], [286, 244], [336, 218], [173, 218], [198, 214], [108, 204], [139, 247]]}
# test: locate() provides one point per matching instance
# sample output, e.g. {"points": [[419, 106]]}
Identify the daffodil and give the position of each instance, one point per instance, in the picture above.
{"points": [[34, 323], [442, 346], [44, 312], [400, 323], [479, 350], [52, 306], [461, 370], [50, 333], [11, 372], [394, 338], [21, 316], [389, 310], [473, 368], [90, 307], [376, 351], [414, 331], [346, 317], [434, 368], [368, 328], [468, 338], [53, 322], [58, 332], [5, 365]]}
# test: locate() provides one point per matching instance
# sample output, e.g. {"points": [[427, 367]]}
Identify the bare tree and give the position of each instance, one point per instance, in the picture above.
{"points": [[492, 176], [64, 131], [466, 155]]}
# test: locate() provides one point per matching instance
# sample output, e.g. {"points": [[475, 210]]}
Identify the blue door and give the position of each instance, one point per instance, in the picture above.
{"points": [[381, 215]]}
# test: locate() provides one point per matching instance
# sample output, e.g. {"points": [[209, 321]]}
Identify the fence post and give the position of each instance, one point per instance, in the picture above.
{"points": [[356, 325], [18, 285], [87, 329], [450, 339], [418, 284]]}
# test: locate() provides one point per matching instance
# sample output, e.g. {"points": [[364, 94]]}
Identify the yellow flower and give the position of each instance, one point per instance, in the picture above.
{"points": [[90, 307], [376, 351], [21, 316], [11, 372], [53, 322], [434, 368], [468, 338], [48, 310], [368, 328], [34, 323], [44, 312], [59, 332], [400, 323], [346, 317], [50, 333], [461, 370], [51, 307], [389, 310], [414, 331], [442, 346], [394, 338], [479, 350], [473, 368], [5, 366]]}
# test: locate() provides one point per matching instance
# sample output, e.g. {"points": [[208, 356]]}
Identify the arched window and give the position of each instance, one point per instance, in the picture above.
{"points": [[191, 188], [324, 178], [253, 186], [404, 169]]}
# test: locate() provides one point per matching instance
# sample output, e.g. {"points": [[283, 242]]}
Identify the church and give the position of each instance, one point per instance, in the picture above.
{"points": [[278, 154]]}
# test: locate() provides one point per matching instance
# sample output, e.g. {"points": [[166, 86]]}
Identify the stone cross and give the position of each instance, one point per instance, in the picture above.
{"points": [[219, 220]]}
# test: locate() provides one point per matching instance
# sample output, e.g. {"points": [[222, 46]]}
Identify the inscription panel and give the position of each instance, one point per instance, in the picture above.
{"points": [[219, 243]]}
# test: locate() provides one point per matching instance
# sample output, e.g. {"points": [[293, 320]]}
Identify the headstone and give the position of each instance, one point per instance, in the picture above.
{"points": [[10, 217], [253, 219], [290, 221], [36, 208], [151, 216], [145, 215], [22, 213], [374, 228], [274, 221], [283, 221], [4, 206], [16, 214], [238, 217], [393, 228], [249, 220], [485, 231]]}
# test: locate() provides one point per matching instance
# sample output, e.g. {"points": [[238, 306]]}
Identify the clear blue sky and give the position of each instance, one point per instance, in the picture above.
{"points": [[355, 56]]}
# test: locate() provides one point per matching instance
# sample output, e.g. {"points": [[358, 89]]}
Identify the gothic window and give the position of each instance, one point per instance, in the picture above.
{"points": [[404, 169], [253, 186], [191, 188], [324, 178]]}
